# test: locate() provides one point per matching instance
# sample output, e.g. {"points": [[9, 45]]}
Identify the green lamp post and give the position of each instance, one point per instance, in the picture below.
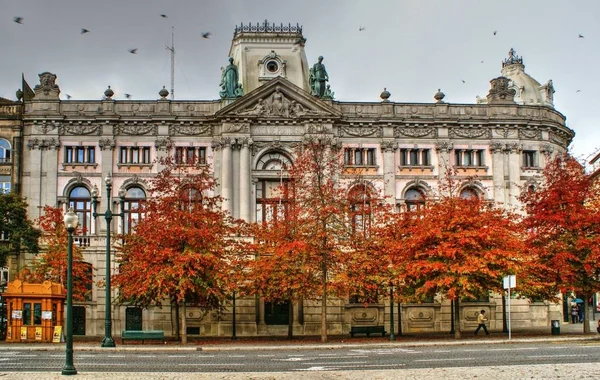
{"points": [[71, 221]]}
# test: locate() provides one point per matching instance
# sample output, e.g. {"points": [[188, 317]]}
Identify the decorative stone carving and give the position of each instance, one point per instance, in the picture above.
{"points": [[80, 129], [414, 132], [361, 131], [546, 149], [47, 89], [529, 134], [275, 144], [236, 127], [106, 144], [469, 133], [559, 139], [215, 144], [189, 129], [43, 144], [136, 129], [316, 128], [513, 147], [45, 127], [512, 59], [505, 132], [496, 147], [444, 146], [500, 93], [389, 145], [163, 144]]}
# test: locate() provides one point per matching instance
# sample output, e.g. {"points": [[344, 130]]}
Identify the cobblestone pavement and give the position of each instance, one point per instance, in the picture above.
{"points": [[543, 371]]}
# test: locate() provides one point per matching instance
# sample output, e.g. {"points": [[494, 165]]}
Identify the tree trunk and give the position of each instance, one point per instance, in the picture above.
{"points": [[457, 334], [184, 325], [290, 320], [586, 314], [324, 307], [177, 331]]}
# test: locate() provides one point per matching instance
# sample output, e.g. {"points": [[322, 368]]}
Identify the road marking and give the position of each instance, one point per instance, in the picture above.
{"points": [[236, 356], [295, 355], [177, 356], [265, 356], [439, 351], [554, 356], [146, 356], [85, 356], [513, 349], [25, 356], [440, 360], [3, 359], [206, 356], [333, 367], [116, 356], [292, 359], [334, 364], [328, 354], [213, 364], [100, 364]]}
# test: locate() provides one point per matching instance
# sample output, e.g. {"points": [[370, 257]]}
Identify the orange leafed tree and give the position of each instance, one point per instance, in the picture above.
{"points": [[301, 255], [51, 265], [564, 229], [181, 251], [455, 247]]}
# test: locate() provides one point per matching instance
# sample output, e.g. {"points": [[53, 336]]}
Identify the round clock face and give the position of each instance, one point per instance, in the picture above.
{"points": [[272, 66]]}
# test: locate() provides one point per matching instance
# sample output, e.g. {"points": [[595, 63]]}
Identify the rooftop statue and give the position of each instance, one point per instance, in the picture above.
{"points": [[317, 78], [230, 87]]}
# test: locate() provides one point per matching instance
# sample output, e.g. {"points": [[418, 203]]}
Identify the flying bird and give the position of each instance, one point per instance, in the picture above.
{"points": [[206, 35], [464, 81], [18, 20], [133, 51], [495, 31], [481, 61], [68, 96], [581, 36], [163, 16], [128, 96], [361, 28], [578, 91], [84, 31]]}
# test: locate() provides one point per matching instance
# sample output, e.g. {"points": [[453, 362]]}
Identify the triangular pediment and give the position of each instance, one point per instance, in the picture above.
{"points": [[279, 99]]}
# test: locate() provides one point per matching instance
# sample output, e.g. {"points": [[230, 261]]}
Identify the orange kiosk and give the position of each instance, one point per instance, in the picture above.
{"points": [[34, 310]]}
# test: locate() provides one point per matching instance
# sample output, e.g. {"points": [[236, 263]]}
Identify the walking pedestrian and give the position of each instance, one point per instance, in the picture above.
{"points": [[481, 318], [574, 314]]}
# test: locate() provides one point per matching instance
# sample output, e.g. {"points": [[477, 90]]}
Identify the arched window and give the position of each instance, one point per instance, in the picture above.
{"points": [[133, 208], [5, 151], [360, 197], [272, 190], [79, 199], [414, 199], [469, 193]]}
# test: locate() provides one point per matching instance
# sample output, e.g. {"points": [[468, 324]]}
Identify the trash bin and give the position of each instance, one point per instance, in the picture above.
{"points": [[555, 327]]}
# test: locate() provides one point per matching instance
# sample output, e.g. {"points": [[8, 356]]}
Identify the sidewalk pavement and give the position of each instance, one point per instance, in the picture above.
{"points": [[568, 332]]}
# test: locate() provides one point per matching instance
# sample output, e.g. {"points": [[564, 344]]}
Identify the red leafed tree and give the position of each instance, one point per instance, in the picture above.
{"points": [[564, 229], [455, 247], [182, 250], [51, 265], [301, 255]]}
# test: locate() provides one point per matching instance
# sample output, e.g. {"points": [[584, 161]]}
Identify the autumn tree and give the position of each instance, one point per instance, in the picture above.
{"points": [[182, 250], [51, 264], [17, 230], [301, 255], [564, 229], [455, 247]]}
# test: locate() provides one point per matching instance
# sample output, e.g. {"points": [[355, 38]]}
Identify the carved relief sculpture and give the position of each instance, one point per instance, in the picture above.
{"points": [[47, 89]]}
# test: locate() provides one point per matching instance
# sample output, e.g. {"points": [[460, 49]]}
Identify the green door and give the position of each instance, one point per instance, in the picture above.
{"points": [[78, 320]]}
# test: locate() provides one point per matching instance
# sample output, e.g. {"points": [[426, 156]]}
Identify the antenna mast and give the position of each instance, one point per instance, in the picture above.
{"points": [[172, 50]]}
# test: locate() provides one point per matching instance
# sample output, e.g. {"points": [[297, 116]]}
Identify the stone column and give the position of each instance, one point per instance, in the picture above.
{"points": [[389, 170], [545, 155], [514, 172], [245, 179], [226, 177], [499, 193], [443, 149], [32, 178], [49, 151]]}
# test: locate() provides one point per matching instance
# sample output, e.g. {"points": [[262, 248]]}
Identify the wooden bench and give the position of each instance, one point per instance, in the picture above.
{"points": [[367, 330], [142, 335]]}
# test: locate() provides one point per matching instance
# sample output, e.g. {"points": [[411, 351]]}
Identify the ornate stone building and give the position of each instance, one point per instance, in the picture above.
{"points": [[275, 100]]}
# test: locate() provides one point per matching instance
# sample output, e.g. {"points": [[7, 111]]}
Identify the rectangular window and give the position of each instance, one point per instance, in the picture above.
{"points": [[80, 154], [529, 159], [135, 155], [123, 155], [146, 155], [179, 155], [190, 156], [414, 157], [91, 154], [37, 314], [26, 314], [469, 157], [202, 156], [360, 157], [5, 184]]}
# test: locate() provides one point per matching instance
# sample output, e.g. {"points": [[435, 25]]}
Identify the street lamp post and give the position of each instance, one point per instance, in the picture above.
{"points": [[108, 340], [71, 221]]}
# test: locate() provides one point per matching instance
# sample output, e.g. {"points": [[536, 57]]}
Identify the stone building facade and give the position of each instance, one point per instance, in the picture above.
{"points": [[401, 148]]}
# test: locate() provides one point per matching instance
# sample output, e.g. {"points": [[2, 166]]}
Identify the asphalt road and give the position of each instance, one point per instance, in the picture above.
{"points": [[273, 361]]}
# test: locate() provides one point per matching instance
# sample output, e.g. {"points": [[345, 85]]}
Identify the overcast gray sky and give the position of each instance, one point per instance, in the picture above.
{"points": [[412, 47]]}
